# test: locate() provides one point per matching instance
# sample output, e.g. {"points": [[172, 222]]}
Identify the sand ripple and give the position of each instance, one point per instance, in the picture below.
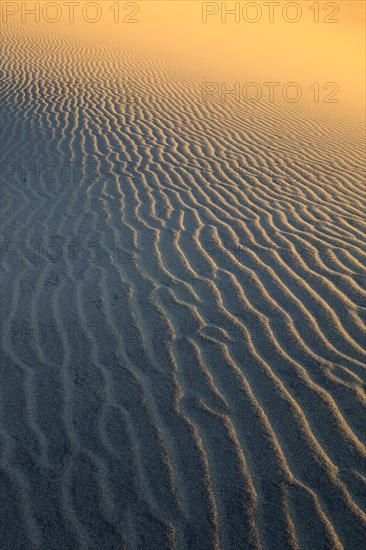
{"points": [[182, 316]]}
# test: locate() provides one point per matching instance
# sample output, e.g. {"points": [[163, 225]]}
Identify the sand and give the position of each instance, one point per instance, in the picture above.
{"points": [[183, 306]]}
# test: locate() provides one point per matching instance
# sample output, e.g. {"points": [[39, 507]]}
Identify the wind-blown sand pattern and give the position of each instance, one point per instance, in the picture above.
{"points": [[183, 320]]}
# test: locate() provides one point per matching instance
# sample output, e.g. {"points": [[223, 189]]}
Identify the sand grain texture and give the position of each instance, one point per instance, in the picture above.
{"points": [[183, 343]]}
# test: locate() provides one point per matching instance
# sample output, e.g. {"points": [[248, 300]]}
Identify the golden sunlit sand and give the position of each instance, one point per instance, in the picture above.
{"points": [[183, 273]]}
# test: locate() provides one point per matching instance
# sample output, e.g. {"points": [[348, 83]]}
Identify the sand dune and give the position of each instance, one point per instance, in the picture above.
{"points": [[183, 307]]}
